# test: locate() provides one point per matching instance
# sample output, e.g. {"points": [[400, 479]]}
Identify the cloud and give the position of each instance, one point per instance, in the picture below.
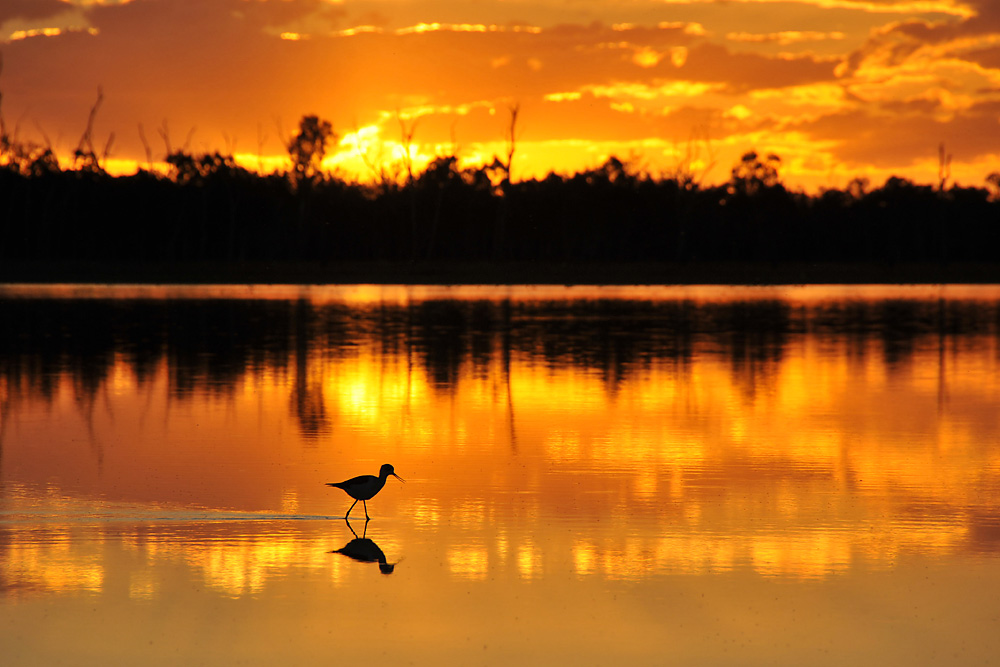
{"points": [[907, 136], [897, 42], [638, 73], [30, 9], [945, 7], [987, 57], [741, 72], [785, 37]]}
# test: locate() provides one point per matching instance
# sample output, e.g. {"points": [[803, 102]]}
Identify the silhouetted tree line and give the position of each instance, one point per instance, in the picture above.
{"points": [[209, 346], [209, 208]]}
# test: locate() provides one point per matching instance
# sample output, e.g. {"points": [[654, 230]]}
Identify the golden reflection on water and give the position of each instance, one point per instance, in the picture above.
{"points": [[50, 561], [800, 464]]}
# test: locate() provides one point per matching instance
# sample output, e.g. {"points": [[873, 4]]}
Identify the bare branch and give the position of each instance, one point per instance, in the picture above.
{"points": [[406, 138], [146, 148], [107, 147], [261, 138], [515, 110], [86, 141], [187, 140], [85, 151], [3, 125], [45, 137], [944, 167], [164, 133], [453, 134]]}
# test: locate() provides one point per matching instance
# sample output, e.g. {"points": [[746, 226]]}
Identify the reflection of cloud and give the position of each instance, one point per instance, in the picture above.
{"points": [[61, 560], [802, 557], [584, 558], [468, 562], [50, 560], [237, 567], [143, 585], [529, 560]]}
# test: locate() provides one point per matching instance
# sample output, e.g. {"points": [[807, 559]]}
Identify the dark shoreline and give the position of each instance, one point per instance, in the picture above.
{"points": [[499, 273]]}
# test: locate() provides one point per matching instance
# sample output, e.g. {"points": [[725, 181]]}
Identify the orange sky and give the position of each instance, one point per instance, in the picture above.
{"points": [[837, 88]]}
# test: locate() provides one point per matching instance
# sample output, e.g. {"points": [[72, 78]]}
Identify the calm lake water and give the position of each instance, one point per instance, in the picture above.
{"points": [[594, 476]]}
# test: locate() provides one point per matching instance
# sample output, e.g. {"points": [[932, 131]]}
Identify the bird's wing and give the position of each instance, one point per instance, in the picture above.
{"points": [[354, 481]]}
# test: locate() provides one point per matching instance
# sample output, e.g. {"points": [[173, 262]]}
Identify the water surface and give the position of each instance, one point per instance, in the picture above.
{"points": [[697, 475]]}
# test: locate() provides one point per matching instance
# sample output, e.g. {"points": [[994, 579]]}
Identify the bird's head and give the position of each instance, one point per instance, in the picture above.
{"points": [[387, 470]]}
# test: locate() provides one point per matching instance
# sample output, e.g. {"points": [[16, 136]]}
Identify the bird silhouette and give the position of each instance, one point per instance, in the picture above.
{"points": [[364, 487]]}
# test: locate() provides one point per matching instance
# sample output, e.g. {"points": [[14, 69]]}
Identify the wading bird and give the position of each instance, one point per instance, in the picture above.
{"points": [[364, 487]]}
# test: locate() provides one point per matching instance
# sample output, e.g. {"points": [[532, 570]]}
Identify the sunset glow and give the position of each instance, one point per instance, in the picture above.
{"points": [[838, 88]]}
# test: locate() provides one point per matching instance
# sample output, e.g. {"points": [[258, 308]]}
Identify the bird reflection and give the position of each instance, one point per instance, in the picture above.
{"points": [[365, 550]]}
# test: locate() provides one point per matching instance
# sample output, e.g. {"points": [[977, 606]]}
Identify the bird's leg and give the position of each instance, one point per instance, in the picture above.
{"points": [[366, 510], [349, 510]]}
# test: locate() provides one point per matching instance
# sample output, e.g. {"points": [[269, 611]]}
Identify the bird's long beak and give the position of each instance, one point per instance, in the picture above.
{"points": [[398, 477]]}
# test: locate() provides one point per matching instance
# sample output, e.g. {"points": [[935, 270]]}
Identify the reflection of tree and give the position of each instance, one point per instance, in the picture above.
{"points": [[441, 329], [505, 358], [984, 532], [307, 393], [899, 326], [208, 346], [756, 339]]}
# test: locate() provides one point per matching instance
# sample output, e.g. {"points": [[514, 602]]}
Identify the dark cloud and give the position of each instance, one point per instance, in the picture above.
{"points": [[873, 137], [741, 72], [896, 42], [987, 17], [180, 19], [989, 57], [30, 9]]}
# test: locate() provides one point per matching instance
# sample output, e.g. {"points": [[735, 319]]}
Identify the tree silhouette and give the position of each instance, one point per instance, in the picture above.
{"points": [[308, 148], [207, 209], [24, 157], [196, 169], [993, 183], [752, 173]]}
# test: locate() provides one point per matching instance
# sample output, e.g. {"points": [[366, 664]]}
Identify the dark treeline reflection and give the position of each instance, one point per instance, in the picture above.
{"points": [[209, 345]]}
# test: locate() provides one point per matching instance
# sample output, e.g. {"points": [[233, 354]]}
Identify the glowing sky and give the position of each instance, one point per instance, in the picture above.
{"points": [[837, 88]]}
